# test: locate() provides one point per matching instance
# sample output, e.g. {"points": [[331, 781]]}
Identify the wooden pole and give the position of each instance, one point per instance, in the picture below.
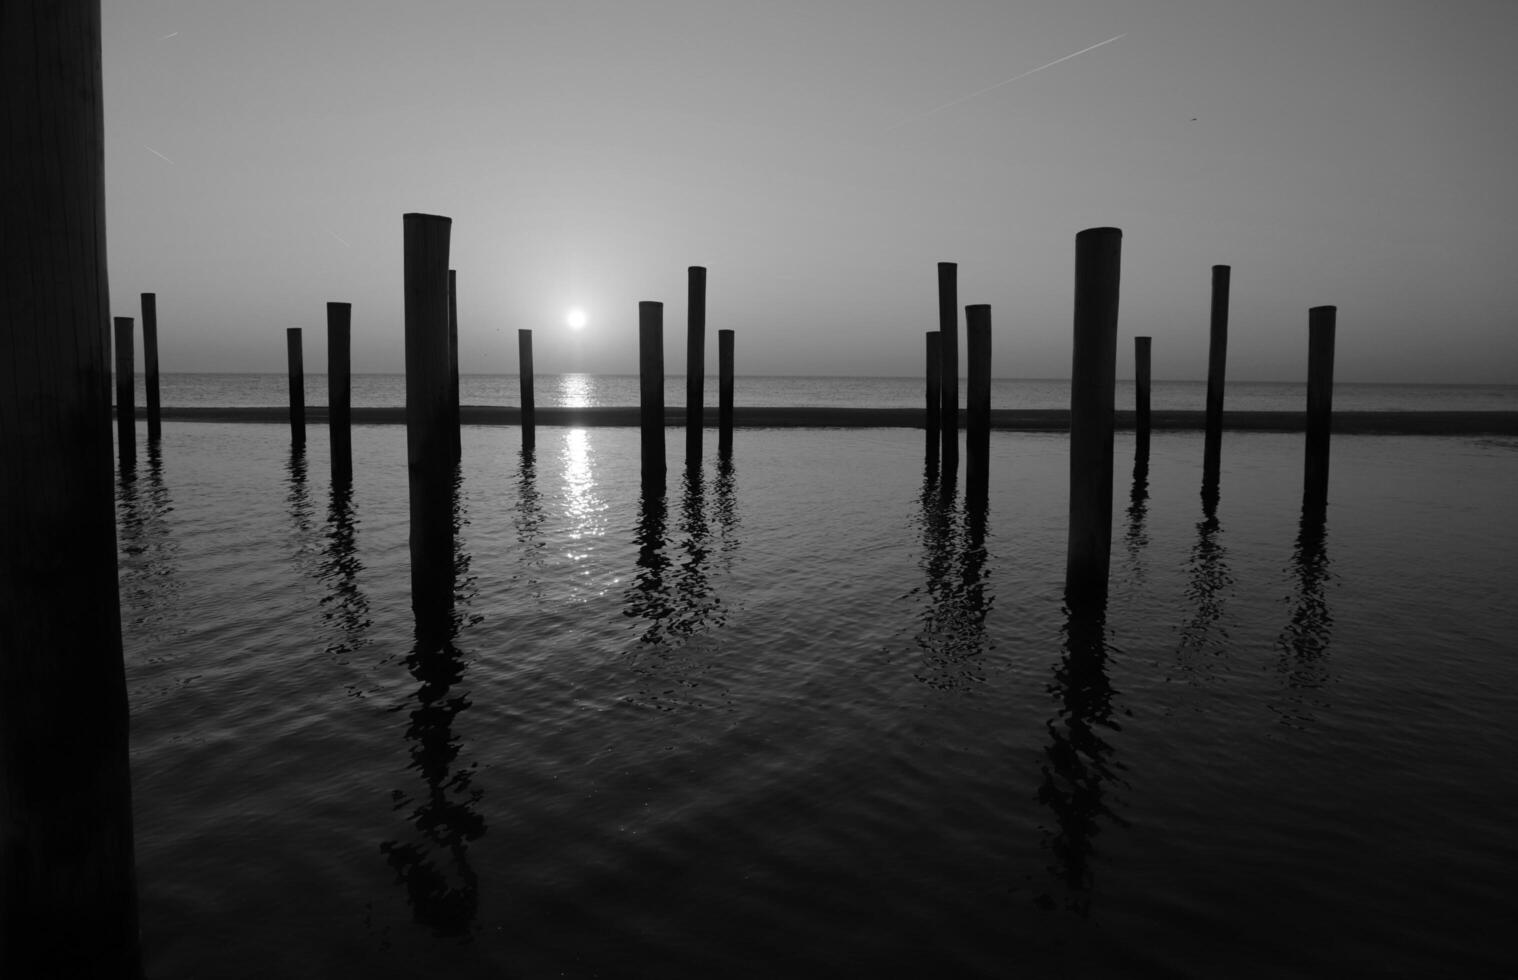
{"points": [[725, 392], [1141, 383], [524, 373], [340, 388], [297, 387], [651, 385], [1217, 362], [932, 421], [150, 364], [1320, 392], [453, 365], [126, 408], [978, 398], [68, 893], [948, 330], [695, 364], [1093, 380], [427, 348]]}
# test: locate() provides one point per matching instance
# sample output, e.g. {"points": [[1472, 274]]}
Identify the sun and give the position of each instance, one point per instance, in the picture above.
{"points": [[576, 318]]}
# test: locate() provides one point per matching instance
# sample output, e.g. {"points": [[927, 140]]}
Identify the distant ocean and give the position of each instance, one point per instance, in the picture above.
{"points": [[389, 390], [809, 712]]}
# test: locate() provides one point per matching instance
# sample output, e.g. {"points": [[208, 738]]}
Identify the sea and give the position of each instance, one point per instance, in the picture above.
{"points": [[811, 710]]}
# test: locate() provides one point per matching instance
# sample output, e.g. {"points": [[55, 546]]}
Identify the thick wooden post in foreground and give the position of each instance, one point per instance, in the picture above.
{"points": [[150, 364], [1141, 384], [453, 364], [695, 364], [429, 444], [1093, 380], [651, 385], [297, 387], [725, 392], [126, 409], [948, 341], [68, 893], [524, 375], [933, 395], [1217, 363], [340, 388], [977, 398], [1320, 395]]}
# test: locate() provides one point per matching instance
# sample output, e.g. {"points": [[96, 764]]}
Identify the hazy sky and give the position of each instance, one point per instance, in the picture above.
{"points": [[819, 158]]}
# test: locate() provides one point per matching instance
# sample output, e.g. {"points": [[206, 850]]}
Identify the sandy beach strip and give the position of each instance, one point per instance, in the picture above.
{"points": [[1009, 419]]}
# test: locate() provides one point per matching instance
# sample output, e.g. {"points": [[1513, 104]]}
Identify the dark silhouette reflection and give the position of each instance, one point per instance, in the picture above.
{"points": [[1079, 768], [672, 590], [1208, 584], [344, 605], [148, 567], [1304, 641], [951, 629], [727, 509], [529, 518], [1137, 535], [298, 496], [441, 885]]}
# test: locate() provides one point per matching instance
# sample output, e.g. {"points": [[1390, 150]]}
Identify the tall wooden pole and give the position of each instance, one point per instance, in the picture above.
{"points": [[725, 392], [340, 388], [948, 330], [429, 444], [1320, 394], [933, 394], [1217, 363], [977, 398], [1093, 381], [524, 374], [695, 364], [297, 387], [68, 892], [126, 409], [150, 364], [1141, 384], [651, 386], [453, 365]]}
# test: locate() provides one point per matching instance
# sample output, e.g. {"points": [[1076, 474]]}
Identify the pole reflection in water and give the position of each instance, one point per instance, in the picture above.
{"points": [[1079, 767], [528, 521], [1137, 535], [951, 630], [148, 564], [1304, 641], [672, 589], [441, 885], [344, 606], [298, 496], [1210, 580]]}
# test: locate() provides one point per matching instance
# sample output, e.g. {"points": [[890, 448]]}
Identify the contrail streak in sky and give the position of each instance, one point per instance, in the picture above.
{"points": [[337, 236], [157, 154], [167, 36], [1009, 81]]}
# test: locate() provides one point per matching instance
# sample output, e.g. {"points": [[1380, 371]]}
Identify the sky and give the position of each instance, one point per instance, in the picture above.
{"points": [[820, 158]]}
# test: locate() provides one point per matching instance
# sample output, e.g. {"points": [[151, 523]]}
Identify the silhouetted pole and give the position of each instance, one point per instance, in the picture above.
{"points": [[150, 364], [1217, 362], [934, 393], [297, 387], [948, 330], [453, 365], [524, 374], [68, 893], [126, 408], [725, 392], [695, 363], [1093, 380], [1320, 393], [1141, 384], [978, 398], [429, 443], [651, 385], [340, 388]]}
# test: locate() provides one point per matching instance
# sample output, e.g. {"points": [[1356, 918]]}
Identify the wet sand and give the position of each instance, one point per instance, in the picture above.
{"points": [[1010, 419]]}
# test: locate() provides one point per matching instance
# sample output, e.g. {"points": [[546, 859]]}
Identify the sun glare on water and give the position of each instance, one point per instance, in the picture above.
{"points": [[576, 318]]}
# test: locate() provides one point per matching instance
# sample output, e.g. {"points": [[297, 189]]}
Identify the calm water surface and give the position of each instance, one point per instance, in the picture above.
{"points": [[810, 714]]}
